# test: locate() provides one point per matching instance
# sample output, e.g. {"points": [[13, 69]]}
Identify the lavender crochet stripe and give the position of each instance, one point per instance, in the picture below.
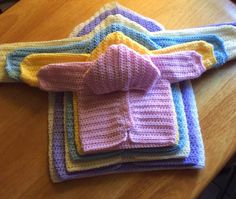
{"points": [[149, 25], [195, 159]]}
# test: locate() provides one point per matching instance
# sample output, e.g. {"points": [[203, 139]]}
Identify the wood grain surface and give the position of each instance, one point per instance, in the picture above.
{"points": [[23, 110]]}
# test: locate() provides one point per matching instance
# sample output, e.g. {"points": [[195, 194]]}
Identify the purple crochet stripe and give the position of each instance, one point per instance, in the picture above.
{"points": [[149, 25], [195, 159], [222, 24]]}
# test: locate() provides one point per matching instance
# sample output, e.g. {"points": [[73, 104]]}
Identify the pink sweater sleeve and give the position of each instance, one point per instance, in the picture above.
{"points": [[62, 77], [121, 69], [176, 67]]}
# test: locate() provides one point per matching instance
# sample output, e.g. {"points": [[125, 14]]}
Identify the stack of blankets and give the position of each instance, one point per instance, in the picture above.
{"points": [[120, 99]]}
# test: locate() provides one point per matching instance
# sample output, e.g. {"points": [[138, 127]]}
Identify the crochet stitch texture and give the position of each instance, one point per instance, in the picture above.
{"points": [[124, 77], [194, 47]]}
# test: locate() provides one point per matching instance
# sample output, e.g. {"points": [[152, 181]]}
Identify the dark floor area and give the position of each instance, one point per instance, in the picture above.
{"points": [[5, 4], [224, 184]]}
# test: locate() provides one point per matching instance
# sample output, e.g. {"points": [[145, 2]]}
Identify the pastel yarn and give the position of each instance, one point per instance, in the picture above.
{"points": [[115, 8], [14, 58], [203, 49], [195, 160], [76, 162], [226, 31], [85, 174], [89, 167], [200, 158], [7, 48], [32, 63], [92, 80]]}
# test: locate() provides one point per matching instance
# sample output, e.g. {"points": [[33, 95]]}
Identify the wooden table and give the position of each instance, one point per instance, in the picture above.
{"points": [[23, 117]]}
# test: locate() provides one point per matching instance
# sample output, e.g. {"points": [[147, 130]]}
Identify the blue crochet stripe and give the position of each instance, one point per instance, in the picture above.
{"points": [[152, 43]]}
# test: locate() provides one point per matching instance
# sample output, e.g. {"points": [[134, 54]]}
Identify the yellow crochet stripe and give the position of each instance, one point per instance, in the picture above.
{"points": [[32, 63], [7, 48]]}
